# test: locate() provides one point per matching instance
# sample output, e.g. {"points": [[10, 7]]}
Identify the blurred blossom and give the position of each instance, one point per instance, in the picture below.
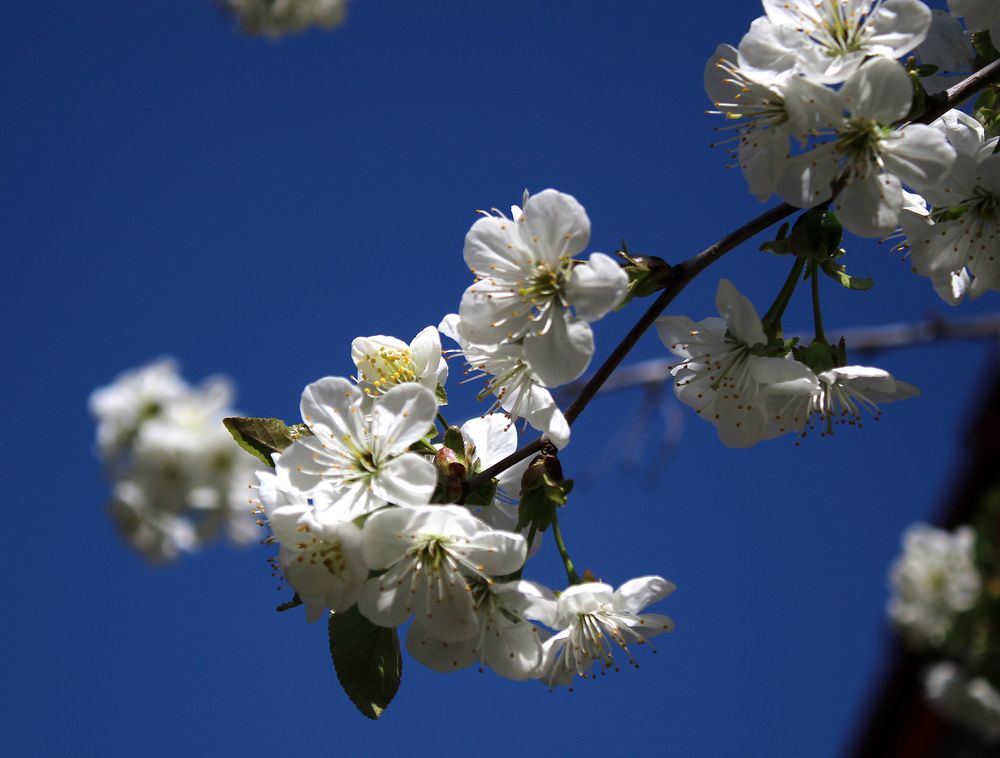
{"points": [[276, 18], [932, 581], [970, 702], [177, 477]]}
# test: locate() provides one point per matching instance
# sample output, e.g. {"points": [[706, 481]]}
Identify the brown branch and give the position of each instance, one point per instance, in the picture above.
{"points": [[682, 274]]}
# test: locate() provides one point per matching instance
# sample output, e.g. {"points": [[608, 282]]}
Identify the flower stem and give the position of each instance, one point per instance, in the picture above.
{"points": [[777, 309], [817, 311], [571, 575], [443, 421]]}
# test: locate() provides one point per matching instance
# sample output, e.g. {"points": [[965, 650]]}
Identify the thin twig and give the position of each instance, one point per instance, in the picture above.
{"points": [[682, 274]]}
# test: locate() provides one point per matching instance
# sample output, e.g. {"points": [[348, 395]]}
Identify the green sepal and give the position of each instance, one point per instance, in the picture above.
{"points": [[919, 102], [926, 69], [819, 356], [543, 489], [483, 495], [647, 274], [986, 50], [262, 437], [839, 274], [367, 660], [441, 395], [455, 441]]}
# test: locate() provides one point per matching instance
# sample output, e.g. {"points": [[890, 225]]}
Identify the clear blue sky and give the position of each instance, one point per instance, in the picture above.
{"points": [[173, 187]]}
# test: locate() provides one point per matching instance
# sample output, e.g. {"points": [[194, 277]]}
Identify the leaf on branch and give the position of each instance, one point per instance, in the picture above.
{"points": [[851, 282], [261, 437], [367, 659], [441, 395]]}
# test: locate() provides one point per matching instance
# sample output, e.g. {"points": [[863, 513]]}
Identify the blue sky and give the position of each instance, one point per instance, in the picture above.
{"points": [[174, 187]]}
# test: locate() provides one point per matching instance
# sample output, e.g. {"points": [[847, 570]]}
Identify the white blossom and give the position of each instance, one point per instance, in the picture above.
{"points": [[133, 397], [828, 40], [530, 289], [762, 119], [360, 455], [594, 618], [723, 374], [488, 440], [971, 702], [321, 561], [915, 223], [873, 159], [517, 389], [933, 580], [428, 556], [838, 398], [275, 18], [505, 641], [962, 231], [385, 362]]}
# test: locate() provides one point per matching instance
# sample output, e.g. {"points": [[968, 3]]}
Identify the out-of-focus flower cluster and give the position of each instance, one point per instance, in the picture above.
{"points": [[276, 18], [178, 479], [943, 605]]}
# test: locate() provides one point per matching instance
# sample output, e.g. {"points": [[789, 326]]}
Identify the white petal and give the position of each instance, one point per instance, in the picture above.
{"points": [[806, 179], [919, 155], [898, 26], [436, 654], [596, 287], [493, 248], [408, 479], [636, 594], [331, 408], [880, 89], [561, 354], [553, 224], [402, 416], [493, 436], [740, 315], [870, 207]]}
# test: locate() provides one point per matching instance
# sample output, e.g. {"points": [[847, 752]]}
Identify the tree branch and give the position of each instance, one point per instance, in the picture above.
{"points": [[682, 274]]}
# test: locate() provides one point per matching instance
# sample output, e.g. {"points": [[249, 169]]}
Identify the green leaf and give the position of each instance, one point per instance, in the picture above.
{"points": [[851, 282], [263, 436], [367, 659], [441, 394]]}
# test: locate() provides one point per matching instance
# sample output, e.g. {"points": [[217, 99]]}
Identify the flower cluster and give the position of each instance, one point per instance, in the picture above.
{"points": [[943, 604], [178, 479], [364, 515], [822, 104], [752, 388], [276, 18]]}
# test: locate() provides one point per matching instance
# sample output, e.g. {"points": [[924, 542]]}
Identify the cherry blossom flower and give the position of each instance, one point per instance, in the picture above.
{"points": [[723, 374], [516, 387], [321, 561], [593, 618], [932, 581], [915, 222], [488, 440], [873, 158], [838, 398], [765, 115], [428, 556], [828, 40], [385, 362], [362, 456], [506, 641], [530, 289], [962, 231]]}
